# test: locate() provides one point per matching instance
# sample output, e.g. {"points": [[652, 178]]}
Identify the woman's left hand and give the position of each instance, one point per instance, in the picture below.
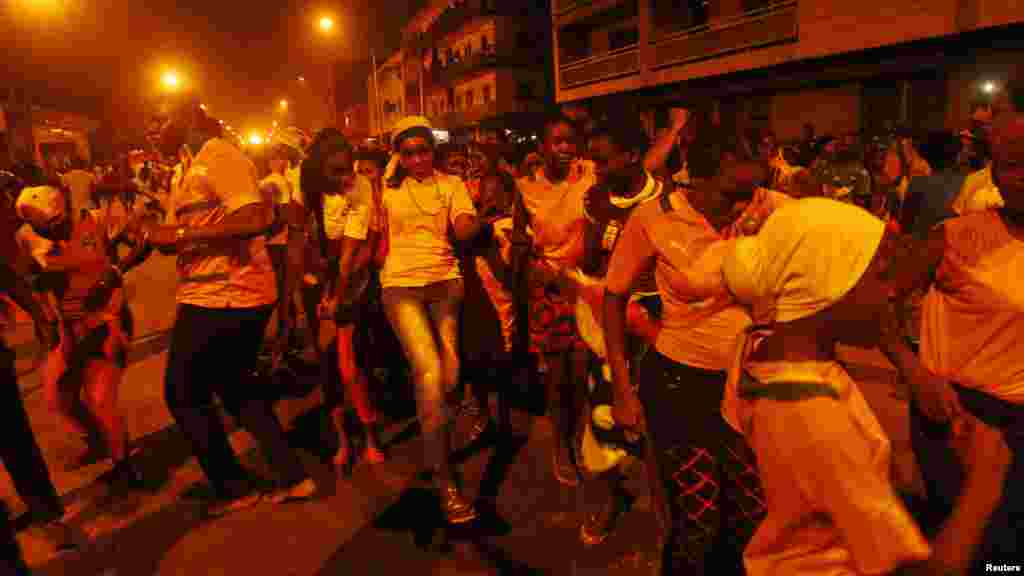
{"points": [[328, 307]]}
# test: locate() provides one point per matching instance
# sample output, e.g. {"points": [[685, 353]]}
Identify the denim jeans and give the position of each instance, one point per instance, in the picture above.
{"points": [[426, 321]]}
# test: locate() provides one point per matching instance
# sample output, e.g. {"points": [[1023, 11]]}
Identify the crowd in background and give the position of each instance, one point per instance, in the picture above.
{"points": [[618, 264]]}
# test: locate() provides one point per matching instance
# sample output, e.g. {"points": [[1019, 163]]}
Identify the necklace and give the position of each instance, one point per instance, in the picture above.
{"points": [[437, 196]]}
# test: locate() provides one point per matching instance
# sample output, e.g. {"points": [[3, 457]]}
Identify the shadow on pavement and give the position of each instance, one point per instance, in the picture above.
{"points": [[135, 550]]}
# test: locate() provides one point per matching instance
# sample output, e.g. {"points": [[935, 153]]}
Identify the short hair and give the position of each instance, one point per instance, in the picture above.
{"points": [[555, 118], [940, 149], [704, 157], [625, 131]]}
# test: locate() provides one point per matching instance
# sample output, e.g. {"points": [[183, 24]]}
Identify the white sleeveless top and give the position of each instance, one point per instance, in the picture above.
{"points": [[972, 326]]}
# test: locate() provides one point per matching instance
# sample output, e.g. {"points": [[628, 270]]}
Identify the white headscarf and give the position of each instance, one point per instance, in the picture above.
{"points": [[39, 205], [807, 256]]}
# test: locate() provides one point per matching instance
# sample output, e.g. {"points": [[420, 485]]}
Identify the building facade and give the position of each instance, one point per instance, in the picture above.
{"points": [[786, 63], [385, 94], [470, 65]]}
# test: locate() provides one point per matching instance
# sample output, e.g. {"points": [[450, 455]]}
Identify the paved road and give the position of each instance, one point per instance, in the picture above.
{"points": [[371, 523]]}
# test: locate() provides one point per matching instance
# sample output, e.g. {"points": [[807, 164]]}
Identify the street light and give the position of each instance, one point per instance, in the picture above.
{"points": [[327, 29], [283, 105], [255, 139], [170, 80], [988, 87]]}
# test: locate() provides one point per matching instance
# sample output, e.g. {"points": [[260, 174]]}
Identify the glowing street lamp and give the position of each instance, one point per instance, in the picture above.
{"points": [[170, 80], [283, 105], [255, 139], [988, 87], [326, 24]]}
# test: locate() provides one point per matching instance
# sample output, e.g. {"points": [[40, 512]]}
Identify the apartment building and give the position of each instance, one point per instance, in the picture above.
{"points": [[839, 65], [473, 64], [386, 100]]}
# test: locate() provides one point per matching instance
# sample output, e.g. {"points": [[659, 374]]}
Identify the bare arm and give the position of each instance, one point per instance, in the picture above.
{"points": [[351, 248], [659, 152], [245, 223], [466, 227]]}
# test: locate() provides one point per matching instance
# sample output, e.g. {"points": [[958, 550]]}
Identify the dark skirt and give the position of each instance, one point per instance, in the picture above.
{"points": [[711, 485]]}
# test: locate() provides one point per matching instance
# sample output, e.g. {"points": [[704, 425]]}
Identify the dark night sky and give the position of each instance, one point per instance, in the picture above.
{"points": [[240, 56]]}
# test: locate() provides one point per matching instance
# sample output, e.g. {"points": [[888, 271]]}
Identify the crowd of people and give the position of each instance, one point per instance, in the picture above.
{"points": [[679, 292]]}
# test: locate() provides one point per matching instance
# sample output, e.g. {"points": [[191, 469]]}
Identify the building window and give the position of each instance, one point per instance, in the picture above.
{"points": [[485, 45], [469, 49], [523, 39], [623, 37], [524, 91], [469, 99], [487, 94]]}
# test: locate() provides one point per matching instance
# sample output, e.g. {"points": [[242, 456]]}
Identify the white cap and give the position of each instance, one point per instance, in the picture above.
{"points": [[40, 205]]}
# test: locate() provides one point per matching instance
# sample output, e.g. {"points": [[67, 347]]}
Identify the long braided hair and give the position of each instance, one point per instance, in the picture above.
{"points": [[315, 182]]}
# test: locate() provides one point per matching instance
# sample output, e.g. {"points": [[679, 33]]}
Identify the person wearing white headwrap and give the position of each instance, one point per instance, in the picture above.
{"points": [[817, 274], [422, 288], [94, 333]]}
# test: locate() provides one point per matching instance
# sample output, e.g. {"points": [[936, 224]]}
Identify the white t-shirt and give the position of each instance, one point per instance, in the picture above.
{"points": [[349, 214], [294, 178], [80, 183], [419, 215], [281, 194]]}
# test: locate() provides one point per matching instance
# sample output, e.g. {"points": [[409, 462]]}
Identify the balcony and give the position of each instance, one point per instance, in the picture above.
{"points": [[622, 62], [565, 6], [462, 118], [774, 24], [446, 75]]}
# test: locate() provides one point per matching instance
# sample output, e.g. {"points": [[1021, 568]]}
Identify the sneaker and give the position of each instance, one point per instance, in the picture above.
{"points": [[304, 490], [457, 509]]}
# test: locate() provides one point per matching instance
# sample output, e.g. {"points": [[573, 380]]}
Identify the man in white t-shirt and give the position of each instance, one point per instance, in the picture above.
{"points": [[285, 244], [225, 296], [81, 183]]}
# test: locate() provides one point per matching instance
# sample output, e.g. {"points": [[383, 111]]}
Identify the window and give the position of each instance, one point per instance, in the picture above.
{"points": [[523, 39], [622, 37], [469, 49], [524, 91], [485, 45], [487, 94], [469, 99]]}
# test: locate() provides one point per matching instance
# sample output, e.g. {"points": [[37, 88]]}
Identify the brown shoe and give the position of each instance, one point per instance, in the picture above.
{"points": [[598, 526], [457, 509]]}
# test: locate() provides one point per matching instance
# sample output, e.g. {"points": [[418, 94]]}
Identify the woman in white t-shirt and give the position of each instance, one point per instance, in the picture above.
{"points": [[344, 204], [423, 288]]}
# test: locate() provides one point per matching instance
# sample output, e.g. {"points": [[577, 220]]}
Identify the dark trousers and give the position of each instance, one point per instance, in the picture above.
{"points": [[20, 452], [943, 477], [11, 561], [711, 486], [213, 353]]}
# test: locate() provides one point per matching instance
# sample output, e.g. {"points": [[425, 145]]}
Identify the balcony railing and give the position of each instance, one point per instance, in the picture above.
{"points": [[622, 62], [453, 71], [565, 6], [773, 24]]}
